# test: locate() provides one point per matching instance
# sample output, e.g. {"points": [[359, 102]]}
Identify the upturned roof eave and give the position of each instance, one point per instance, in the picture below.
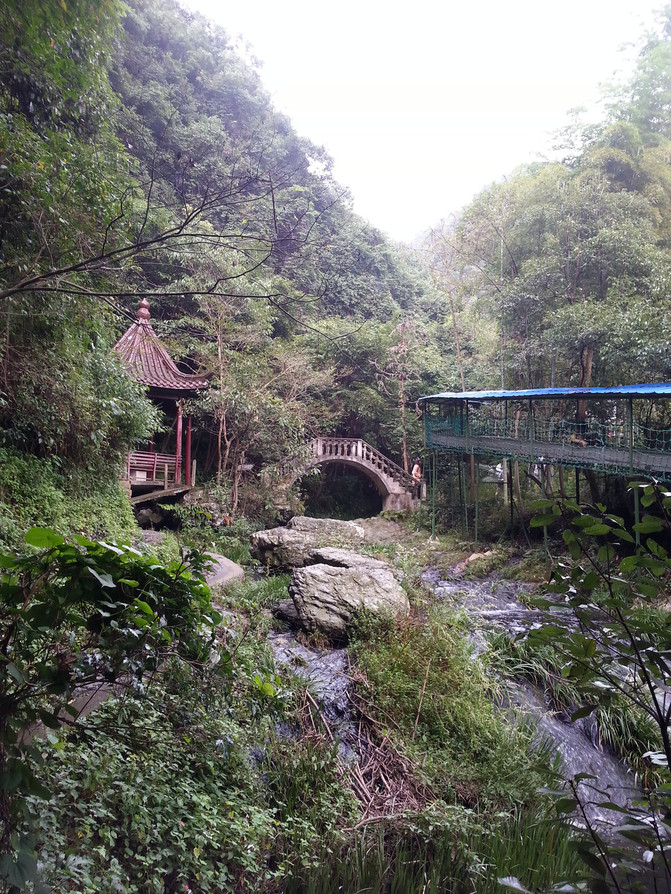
{"points": [[150, 364]]}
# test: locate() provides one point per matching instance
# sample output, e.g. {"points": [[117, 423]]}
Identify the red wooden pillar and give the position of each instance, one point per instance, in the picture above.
{"points": [[178, 452], [187, 454]]}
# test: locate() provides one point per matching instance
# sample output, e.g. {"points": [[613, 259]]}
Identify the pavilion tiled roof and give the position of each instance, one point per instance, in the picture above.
{"points": [[147, 359]]}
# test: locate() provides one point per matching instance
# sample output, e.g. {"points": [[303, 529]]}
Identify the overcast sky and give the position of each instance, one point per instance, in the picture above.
{"points": [[423, 104]]}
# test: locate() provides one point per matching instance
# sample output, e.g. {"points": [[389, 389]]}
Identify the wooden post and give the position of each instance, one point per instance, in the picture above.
{"points": [[178, 450], [165, 476], [193, 473], [187, 454]]}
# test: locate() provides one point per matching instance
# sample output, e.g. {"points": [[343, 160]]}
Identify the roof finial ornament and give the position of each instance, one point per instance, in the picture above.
{"points": [[143, 311]]}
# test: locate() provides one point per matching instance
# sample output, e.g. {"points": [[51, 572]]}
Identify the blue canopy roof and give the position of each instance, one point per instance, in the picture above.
{"points": [[660, 389]]}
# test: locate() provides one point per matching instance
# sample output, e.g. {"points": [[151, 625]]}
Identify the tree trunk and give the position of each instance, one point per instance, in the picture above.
{"points": [[238, 461], [220, 435], [562, 488], [404, 437], [594, 488], [586, 361]]}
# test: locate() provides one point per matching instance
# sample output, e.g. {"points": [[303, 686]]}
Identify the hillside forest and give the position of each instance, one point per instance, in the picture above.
{"points": [[141, 157]]}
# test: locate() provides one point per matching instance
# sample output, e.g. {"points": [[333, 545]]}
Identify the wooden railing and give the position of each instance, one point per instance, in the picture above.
{"points": [[151, 468], [356, 449]]}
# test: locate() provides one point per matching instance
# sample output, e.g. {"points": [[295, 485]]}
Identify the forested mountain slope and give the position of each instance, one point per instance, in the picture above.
{"points": [[141, 156], [566, 264]]}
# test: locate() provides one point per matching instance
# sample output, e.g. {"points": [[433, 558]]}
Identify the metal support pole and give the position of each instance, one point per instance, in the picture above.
{"points": [[504, 475], [510, 497], [463, 472], [477, 475], [461, 495], [468, 430], [630, 414], [433, 497], [504, 461], [637, 508]]}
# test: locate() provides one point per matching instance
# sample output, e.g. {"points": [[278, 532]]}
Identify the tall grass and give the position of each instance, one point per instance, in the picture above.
{"points": [[465, 749], [623, 727], [526, 845]]}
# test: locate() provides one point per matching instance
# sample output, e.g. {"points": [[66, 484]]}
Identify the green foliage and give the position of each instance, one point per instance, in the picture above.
{"points": [[608, 633], [74, 615], [67, 498], [260, 593], [454, 852], [467, 751], [304, 781], [231, 540], [69, 397], [620, 725], [155, 793]]}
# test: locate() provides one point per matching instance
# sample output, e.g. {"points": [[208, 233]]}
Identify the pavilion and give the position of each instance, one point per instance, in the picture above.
{"points": [[149, 363]]}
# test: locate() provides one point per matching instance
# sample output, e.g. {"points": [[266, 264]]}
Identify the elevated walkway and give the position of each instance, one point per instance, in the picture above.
{"points": [[599, 429], [618, 449]]}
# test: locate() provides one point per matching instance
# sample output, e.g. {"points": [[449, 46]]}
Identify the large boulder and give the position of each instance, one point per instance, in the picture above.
{"points": [[331, 529], [327, 595], [290, 547]]}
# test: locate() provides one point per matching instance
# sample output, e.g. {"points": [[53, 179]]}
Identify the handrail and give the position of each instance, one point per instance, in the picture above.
{"points": [[558, 431], [357, 448], [158, 466], [353, 450]]}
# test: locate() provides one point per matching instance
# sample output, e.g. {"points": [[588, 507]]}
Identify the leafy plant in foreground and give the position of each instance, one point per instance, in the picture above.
{"points": [[610, 625], [75, 616]]}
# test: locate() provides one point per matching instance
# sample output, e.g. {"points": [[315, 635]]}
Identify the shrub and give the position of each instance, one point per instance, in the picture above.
{"points": [[76, 615], [44, 492]]}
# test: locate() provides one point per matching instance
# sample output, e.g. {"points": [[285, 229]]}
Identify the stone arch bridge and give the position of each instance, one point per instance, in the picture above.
{"points": [[393, 483]]}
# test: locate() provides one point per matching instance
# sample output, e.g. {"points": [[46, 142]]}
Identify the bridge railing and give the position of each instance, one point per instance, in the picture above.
{"points": [[358, 449]]}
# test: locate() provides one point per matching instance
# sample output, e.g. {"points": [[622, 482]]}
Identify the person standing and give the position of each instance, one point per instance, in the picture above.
{"points": [[417, 479]]}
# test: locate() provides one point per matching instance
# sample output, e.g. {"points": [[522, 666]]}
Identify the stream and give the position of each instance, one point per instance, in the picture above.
{"points": [[491, 603]]}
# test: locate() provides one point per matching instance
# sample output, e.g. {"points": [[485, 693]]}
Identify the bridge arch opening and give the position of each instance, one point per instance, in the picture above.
{"points": [[338, 490]]}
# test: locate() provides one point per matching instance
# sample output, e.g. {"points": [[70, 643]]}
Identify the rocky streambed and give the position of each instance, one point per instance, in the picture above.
{"points": [[334, 579], [491, 604]]}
